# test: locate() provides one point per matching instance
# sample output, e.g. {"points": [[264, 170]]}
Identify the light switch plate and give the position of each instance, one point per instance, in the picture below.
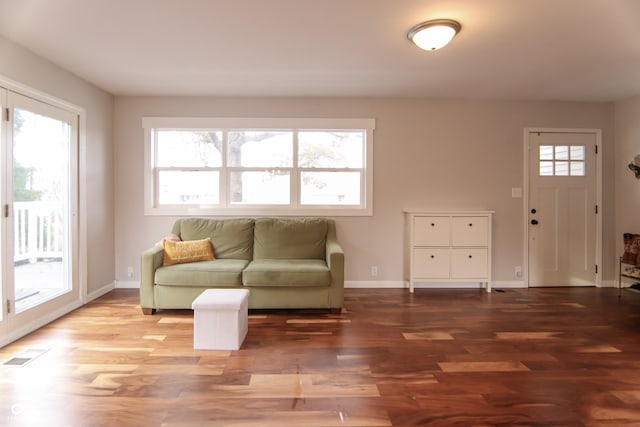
{"points": [[516, 192]]}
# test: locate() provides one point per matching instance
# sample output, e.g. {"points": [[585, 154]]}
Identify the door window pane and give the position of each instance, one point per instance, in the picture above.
{"points": [[41, 214], [577, 169], [562, 168], [562, 152], [577, 152], [546, 152], [546, 168]]}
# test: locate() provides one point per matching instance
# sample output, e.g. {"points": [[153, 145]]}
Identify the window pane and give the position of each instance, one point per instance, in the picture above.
{"points": [[562, 168], [546, 152], [260, 149], [188, 187], [260, 187], [188, 148], [546, 168], [330, 188], [577, 168], [331, 149], [577, 152], [562, 152]]}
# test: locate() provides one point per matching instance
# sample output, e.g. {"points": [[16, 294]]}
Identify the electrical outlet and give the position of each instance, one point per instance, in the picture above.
{"points": [[518, 271], [129, 272], [374, 270]]}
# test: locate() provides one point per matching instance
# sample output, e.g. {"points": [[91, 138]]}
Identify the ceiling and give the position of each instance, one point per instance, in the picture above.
{"points": [[573, 50]]}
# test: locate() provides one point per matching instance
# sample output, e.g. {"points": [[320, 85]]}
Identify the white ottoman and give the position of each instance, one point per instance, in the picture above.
{"points": [[220, 319]]}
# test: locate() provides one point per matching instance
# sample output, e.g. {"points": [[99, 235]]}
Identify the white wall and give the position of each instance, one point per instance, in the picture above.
{"points": [[427, 154], [96, 183], [627, 129]]}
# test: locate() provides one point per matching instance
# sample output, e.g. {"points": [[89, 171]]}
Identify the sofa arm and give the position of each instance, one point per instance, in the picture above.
{"points": [[335, 262], [150, 260]]}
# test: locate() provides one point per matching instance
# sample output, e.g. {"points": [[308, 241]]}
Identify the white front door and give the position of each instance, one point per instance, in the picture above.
{"points": [[562, 208], [39, 213]]}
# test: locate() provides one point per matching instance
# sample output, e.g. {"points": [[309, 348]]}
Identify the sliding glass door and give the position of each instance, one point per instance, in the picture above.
{"points": [[39, 200]]}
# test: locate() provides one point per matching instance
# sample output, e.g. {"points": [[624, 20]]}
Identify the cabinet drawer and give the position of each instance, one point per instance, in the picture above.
{"points": [[431, 263], [470, 231], [431, 231], [469, 263]]}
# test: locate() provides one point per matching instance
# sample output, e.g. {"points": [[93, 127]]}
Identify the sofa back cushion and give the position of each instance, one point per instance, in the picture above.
{"points": [[231, 238], [290, 238]]}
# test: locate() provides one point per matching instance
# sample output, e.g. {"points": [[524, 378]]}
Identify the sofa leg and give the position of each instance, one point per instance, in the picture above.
{"points": [[148, 311], [336, 310]]}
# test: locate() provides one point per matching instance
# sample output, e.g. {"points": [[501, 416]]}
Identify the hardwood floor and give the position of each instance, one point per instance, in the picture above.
{"points": [[525, 357]]}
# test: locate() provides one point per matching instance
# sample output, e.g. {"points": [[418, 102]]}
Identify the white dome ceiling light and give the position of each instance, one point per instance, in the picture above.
{"points": [[434, 34]]}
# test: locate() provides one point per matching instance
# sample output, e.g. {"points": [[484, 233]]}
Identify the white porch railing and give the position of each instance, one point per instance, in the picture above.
{"points": [[37, 231]]}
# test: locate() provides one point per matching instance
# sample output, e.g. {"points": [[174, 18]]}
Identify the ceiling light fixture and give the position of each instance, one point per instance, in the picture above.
{"points": [[434, 34]]}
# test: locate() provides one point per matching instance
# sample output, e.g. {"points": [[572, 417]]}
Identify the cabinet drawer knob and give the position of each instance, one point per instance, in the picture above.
{"points": [[470, 224], [433, 225], [470, 256], [433, 256]]}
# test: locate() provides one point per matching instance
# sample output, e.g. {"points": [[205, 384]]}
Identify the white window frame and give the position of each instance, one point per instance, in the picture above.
{"points": [[225, 208]]}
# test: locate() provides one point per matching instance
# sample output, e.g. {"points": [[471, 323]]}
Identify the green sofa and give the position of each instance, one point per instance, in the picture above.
{"points": [[284, 262]]}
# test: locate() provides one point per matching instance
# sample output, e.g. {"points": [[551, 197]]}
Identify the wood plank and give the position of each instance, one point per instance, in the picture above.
{"points": [[501, 366]]}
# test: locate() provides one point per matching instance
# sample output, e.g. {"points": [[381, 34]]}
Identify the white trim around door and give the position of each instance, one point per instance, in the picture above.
{"points": [[598, 161]]}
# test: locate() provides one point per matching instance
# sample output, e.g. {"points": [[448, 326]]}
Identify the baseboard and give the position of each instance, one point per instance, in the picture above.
{"points": [[401, 284], [120, 284], [468, 285], [101, 291], [507, 284], [377, 284]]}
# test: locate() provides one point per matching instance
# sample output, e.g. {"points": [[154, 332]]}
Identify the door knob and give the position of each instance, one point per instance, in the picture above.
{"points": [[534, 221]]}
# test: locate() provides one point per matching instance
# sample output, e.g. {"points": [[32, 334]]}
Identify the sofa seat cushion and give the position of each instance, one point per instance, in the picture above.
{"points": [[287, 272], [218, 272]]}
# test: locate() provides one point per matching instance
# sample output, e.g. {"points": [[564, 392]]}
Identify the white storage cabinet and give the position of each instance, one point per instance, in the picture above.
{"points": [[449, 246]]}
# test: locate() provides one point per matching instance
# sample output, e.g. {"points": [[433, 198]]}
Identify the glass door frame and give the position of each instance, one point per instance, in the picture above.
{"points": [[14, 325], [4, 285]]}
